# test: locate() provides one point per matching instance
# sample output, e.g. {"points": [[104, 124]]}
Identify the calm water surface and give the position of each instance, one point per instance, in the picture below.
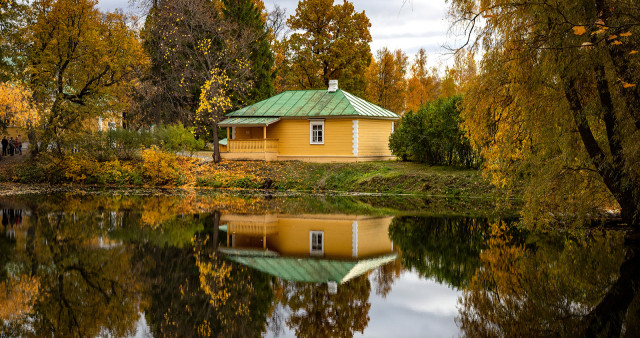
{"points": [[228, 265]]}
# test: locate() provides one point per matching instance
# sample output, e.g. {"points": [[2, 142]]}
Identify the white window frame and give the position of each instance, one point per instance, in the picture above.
{"points": [[313, 123], [312, 251]]}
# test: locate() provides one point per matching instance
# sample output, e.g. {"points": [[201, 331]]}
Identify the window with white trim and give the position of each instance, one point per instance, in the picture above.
{"points": [[316, 242], [316, 132]]}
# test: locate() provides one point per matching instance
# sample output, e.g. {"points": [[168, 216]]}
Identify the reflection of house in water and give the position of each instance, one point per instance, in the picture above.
{"points": [[309, 248]]}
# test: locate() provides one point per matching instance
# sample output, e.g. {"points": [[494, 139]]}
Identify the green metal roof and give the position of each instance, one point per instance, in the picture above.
{"points": [[314, 270], [249, 121], [313, 103], [223, 142]]}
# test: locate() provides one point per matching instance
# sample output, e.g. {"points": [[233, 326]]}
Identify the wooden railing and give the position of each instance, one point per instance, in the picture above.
{"points": [[253, 146]]}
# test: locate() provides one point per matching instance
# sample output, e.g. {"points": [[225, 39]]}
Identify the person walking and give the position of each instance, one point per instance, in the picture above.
{"points": [[18, 145], [5, 144]]}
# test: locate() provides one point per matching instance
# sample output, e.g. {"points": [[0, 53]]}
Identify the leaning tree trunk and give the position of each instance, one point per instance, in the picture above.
{"points": [[609, 317], [216, 144]]}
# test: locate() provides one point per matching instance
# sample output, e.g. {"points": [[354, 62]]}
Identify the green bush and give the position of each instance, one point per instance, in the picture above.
{"points": [[432, 135], [177, 138]]}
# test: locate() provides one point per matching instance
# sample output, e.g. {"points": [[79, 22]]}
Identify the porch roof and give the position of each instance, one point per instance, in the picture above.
{"points": [[316, 270], [248, 121]]}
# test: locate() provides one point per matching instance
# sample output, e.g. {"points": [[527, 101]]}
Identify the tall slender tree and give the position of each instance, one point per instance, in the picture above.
{"points": [[386, 80], [250, 15]]}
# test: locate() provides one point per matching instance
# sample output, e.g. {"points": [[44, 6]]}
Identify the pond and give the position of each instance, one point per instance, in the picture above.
{"points": [[136, 264]]}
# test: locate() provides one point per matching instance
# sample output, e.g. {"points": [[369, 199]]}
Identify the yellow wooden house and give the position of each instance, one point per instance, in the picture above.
{"points": [[328, 125], [309, 248]]}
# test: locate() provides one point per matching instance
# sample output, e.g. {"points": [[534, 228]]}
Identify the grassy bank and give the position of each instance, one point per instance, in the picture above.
{"points": [[367, 177], [157, 168]]}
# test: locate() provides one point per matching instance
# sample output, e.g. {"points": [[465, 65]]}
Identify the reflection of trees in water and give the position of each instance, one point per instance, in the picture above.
{"points": [[385, 275], [85, 284], [546, 287], [196, 293], [82, 289], [315, 312], [446, 249]]}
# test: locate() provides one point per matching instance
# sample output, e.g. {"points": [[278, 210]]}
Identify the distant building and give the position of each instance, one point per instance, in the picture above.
{"points": [[310, 125]]}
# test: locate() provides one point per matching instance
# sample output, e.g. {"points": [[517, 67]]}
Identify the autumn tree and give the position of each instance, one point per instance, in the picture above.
{"points": [[544, 287], [17, 108], [330, 42], [199, 63], [278, 34], [317, 312], [78, 60], [557, 101], [423, 84], [386, 80], [85, 291]]}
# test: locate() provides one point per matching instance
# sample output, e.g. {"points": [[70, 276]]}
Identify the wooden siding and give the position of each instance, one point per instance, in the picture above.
{"points": [[373, 237], [373, 137], [244, 133], [289, 235], [293, 137]]}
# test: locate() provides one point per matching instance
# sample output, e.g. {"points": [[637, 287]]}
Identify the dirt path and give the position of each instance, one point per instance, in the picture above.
{"points": [[16, 159]]}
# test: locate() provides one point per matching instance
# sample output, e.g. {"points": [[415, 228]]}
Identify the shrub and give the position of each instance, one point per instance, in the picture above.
{"points": [[127, 143], [432, 135], [159, 167], [177, 138], [79, 168]]}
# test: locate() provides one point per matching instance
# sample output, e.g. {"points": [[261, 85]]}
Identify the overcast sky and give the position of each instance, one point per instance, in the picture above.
{"points": [[408, 25]]}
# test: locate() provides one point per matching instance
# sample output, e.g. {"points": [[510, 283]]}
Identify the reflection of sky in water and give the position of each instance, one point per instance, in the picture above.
{"points": [[415, 307]]}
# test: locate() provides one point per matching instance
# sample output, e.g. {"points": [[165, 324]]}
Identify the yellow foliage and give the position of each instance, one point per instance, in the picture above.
{"points": [[16, 106], [159, 167], [78, 167], [579, 30], [17, 296]]}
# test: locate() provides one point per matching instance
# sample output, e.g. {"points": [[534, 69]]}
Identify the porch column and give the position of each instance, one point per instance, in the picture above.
{"points": [[228, 141], [264, 133], [264, 235]]}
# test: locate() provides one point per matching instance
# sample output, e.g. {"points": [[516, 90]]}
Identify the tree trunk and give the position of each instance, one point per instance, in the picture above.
{"points": [[216, 144], [608, 317], [216, 229]]}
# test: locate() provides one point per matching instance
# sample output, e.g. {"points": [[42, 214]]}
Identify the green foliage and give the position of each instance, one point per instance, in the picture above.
{"points": [[177, 138], [121, 144], [248, 16], [432, 135], [12, 14]]}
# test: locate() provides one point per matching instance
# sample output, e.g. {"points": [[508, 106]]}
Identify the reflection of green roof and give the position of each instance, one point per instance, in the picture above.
{"points": [[313, 103], [315, 270], [249, 121]]}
